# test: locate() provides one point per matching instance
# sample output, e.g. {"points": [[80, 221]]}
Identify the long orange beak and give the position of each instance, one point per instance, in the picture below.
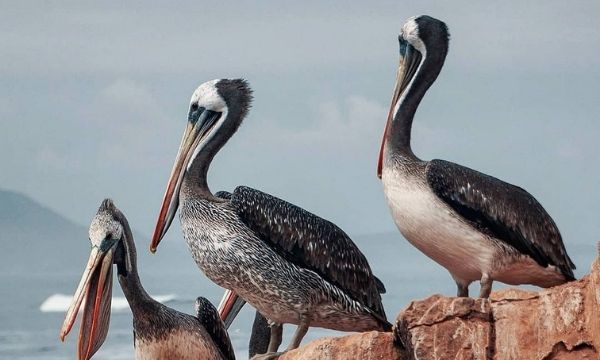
{"points": [[407, 67], [201, 123], [395, 97], [170, 201], [96, 288], [229, 307]]}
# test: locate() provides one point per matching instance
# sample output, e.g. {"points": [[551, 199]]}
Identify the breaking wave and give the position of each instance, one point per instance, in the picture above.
{"points": [[61, 302]]}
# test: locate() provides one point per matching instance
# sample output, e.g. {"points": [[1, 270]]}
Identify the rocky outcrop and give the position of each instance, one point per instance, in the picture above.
{"points": [[372, 345], [558, 323]]}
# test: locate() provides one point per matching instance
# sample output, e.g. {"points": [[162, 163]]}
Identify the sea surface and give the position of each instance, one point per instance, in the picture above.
{"points": [[26, 332]]}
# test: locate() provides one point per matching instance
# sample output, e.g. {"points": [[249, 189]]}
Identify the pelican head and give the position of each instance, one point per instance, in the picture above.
{"points": [[216, 110], [421, 37], [106, 235]]}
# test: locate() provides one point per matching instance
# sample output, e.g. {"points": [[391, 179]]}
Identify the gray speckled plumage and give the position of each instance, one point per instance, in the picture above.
{"points": [[310, 242], [238, 258], [292, 266]]}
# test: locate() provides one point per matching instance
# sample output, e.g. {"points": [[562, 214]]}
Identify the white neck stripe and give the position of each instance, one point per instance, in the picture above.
{"points": [[410, 85], [209, 137]]}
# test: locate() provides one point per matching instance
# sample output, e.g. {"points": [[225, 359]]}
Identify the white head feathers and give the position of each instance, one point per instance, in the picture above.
{"points": [[410, 32], [207, 96], [104, 225]]}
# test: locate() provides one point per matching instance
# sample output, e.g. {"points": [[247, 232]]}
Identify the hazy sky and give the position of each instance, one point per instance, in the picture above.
{"points": [[93, 101]]}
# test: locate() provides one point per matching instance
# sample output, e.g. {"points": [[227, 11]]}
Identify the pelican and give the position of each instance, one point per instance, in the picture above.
{"points": [[290, 265], [476, 226], [159, 332]]}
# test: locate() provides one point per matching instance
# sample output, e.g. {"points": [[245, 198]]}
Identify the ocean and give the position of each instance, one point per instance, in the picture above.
{"points": [[26, 332]]}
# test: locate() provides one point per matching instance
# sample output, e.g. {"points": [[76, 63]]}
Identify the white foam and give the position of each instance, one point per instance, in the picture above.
{"points": [[61, 302]]}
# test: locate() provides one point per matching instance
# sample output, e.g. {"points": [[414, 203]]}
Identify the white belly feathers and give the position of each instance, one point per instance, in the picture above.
{"points": [[430, 225]]}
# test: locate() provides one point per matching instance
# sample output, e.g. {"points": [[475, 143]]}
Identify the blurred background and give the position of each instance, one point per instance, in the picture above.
{"points": [[93, 103]]}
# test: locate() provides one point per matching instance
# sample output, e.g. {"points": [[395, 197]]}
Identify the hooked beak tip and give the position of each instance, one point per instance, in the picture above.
{"points": [[154, 243]]}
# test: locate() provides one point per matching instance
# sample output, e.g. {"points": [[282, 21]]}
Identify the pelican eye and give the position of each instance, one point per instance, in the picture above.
{"points": [[194, 107]]}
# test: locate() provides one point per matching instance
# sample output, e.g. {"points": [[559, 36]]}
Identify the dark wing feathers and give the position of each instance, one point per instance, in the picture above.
{"points": [[502, 210], [380, 286], [210, 320], [260, 336], [223, 195], [309, 242]]}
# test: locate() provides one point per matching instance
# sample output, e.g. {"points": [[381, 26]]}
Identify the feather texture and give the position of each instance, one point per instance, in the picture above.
{"points": [[310, 242], [210, 320], [501, 210]]}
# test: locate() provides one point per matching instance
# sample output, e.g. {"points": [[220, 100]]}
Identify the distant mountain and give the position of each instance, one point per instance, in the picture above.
{"points": [[35, 238], [18, 210]]}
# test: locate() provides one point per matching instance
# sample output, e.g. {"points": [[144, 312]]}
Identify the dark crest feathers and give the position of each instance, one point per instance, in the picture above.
{"points": [[428, 26], [237, 93], [107, 205]]}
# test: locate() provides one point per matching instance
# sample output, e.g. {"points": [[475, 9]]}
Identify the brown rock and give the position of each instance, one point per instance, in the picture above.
{"points": [[558, 323], [368, 346], [444, 328]]}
